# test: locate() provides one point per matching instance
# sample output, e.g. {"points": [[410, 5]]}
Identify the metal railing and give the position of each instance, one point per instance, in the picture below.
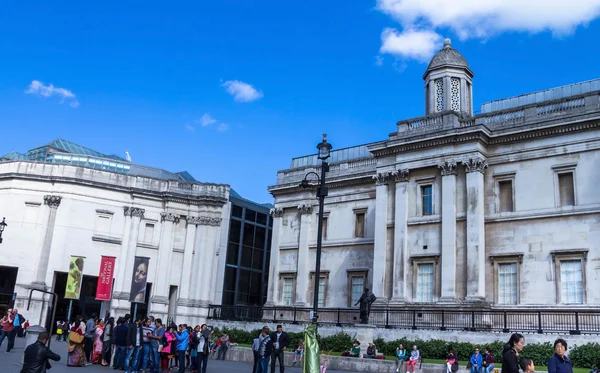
{"points": [[487, 320]]}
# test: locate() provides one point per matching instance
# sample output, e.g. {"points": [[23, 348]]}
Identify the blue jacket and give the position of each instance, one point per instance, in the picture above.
{"points": [[557, 364], [183, 339], [476, 359]]}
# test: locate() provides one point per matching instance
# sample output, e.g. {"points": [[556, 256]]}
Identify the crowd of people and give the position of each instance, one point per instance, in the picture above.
{"points": [[12, 325]]}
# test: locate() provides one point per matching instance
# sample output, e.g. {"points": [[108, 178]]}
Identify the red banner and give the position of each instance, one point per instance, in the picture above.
{"points": [[105, 278]]}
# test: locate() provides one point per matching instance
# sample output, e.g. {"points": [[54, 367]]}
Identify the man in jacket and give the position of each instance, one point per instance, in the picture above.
{"points": [[120, 342], [280, 341], [183, 340], [90, 332], [134, 345], [264, 351], [37, 355]]}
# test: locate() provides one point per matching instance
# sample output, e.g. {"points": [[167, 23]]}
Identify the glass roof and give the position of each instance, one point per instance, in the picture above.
{"points": [[14, 155], [185, 176], [74, 148]]}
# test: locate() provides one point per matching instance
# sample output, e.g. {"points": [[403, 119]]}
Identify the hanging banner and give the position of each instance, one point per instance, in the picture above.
{"points": [[105, 278], [137, 294], [74, 277]]}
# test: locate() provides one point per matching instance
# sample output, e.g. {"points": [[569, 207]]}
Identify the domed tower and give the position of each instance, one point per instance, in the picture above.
{"points": [[448, 82]]}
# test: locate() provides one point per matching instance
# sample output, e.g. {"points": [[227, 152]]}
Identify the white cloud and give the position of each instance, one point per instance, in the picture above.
{"points": [[414, 44], [38, 88], [378, 60], [222, 127], [480, 19], [206, 120], [242, 92]]}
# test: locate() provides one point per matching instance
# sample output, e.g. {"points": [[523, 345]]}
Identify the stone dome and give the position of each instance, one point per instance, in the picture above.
{"points": [[448, 57]]}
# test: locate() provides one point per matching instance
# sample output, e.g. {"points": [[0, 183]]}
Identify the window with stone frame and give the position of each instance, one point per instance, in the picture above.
{"points": [[564, 176], [455, 94], [148, 233], [323, 282], [325, 223], [505, 191], [427, 199], [570, 276], [288, 288], [439, 95], [360, 217], [103, 223], [425, 277], [426, 191], [357, 281], [507, 268]]}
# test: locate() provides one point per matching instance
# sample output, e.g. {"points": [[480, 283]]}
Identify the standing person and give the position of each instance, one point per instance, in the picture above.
{"points": [[203, 348], [65, 329], [167, 349], [156, 341], [8, 329], [255, 347], [134, 346], [59, 330], [488, 361], [98, 342], [26, 325], [510, 354], [476, 361], [559, 362], [36, 355], [147, 332], [264, 351], [90, 332], [119, 334], [19, 320], [183, 340], [75, 348], [281, 341], [107, 342]]}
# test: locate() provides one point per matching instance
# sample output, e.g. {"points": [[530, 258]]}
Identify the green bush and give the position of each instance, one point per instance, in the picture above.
{"points": [[587, 355], [339, 342], [538, 352]]}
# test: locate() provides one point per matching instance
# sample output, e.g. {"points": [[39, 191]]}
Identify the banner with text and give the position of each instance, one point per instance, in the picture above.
{"points": [[105, 278], [74, 277], [137, 293]]}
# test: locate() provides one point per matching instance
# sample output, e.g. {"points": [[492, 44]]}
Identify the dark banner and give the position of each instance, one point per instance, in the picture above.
{"points": [[137, 293]]}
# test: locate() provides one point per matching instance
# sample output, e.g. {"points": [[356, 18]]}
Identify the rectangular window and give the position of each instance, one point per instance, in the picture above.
{"points": [[571, 281], [322, 283], [288, 291], [359, 226], [565, 189], [149, 233], [425, 282], [357, 285], [324, 234], [427, 199], [507, 283], [505, 195]]}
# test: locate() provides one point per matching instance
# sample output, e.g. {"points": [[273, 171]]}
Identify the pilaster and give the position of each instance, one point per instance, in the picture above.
{"points": [[53, 202], [188, 256], [400, 238], [302, 273], [160, 288], [210, 229], [380, 252], [448, 283], [273, 283], [475, 167]]}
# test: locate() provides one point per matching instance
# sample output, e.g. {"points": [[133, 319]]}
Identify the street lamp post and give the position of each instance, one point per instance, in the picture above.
{"points": [[322, 191], [2, 226]]}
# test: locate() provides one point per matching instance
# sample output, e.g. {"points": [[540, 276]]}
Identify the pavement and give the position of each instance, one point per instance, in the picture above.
{"points": [[11, 362]]}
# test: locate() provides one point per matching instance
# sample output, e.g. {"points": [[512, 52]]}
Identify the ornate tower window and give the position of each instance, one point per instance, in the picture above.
{"points": [[439, 95], [455, 94]]}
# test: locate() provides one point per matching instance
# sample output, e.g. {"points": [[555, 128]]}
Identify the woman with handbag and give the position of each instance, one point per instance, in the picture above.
{"points": [[75, 348]]}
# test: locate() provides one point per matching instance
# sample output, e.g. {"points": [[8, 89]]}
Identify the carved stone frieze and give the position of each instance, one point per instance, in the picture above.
{"points": [[305, 209], [382, 178], [448, 168], [208, 220], [475, 165], [52, 201], [276, 212], [133, 211], [400, 175], [167, 216]]}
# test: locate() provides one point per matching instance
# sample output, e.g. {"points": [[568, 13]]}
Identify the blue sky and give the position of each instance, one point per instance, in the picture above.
{"points": [[232, 90]]}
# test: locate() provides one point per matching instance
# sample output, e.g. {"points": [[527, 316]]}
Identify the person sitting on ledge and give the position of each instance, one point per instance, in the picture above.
{"points": [[354, 351], [371, 351]]}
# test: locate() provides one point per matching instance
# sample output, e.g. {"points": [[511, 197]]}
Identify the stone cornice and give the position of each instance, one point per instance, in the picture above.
{"points": [[448, 168], [52, 201]]}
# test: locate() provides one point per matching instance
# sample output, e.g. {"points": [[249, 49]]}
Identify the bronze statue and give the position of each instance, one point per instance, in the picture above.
{"points": [[366, 300]]}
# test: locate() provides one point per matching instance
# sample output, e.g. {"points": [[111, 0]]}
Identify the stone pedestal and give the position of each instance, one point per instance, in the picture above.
{"points": [[365, 335]]}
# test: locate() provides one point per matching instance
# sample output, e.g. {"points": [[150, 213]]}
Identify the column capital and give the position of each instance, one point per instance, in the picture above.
{"points": [[400, 175], [448, 168], [52, 201], [382, 178], [167, 216], [276, 212], [133, 211], [305, 209], [475, 164], [208, 220]]}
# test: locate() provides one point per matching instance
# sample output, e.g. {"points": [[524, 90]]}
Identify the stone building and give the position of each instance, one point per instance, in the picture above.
{"points": [[499, 208], [63, 199]]}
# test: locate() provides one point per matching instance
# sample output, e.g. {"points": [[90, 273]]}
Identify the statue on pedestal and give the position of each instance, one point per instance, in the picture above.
{"points": [[366, 300]]}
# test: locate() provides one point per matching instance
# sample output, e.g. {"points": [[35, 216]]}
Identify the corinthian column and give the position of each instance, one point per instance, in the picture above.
{"points": [[163, 266], [302, 272], [475, 168], [400, 238], [272, 292], [42, 266], [448, 293], [380, 253]]}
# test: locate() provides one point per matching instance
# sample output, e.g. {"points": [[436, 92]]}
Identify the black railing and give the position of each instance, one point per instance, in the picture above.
{"points": [[486, 320]]}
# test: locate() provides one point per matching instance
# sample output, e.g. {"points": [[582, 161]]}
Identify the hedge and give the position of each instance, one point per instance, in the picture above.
{"points": [[583, 356]]}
